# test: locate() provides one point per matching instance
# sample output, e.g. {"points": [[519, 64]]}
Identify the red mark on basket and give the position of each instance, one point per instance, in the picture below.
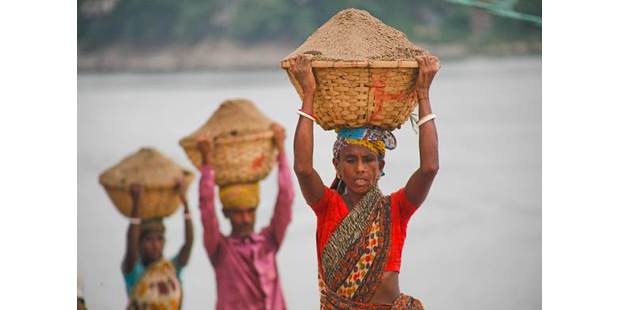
{"points": [[380, 95], [258, 162]]}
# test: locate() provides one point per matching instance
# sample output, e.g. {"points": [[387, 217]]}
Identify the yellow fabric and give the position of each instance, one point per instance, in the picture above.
{"points": [[158, 288], [243, 195], [377, 147]]}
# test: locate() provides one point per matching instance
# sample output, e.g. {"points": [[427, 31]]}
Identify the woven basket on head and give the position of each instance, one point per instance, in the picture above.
{"points": [[361, 93], [244, 149], [158, 176]]}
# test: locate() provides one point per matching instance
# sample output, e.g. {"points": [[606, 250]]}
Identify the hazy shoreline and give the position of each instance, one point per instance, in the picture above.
{"points": [[231, 56]]}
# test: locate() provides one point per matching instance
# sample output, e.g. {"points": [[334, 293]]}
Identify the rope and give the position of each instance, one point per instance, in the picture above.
{"points": [[501, 8]]}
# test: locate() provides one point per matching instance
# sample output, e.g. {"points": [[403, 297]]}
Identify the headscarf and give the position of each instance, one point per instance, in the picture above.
{"points": [[241, 195], [155, 224], [377, 140]]}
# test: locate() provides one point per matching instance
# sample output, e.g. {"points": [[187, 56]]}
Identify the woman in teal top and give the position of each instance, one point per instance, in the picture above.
{"points": [[151, 280]]}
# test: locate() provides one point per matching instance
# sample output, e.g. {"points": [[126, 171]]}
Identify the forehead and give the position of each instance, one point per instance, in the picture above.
{"points": [[356, 150], [241, 210], [153, 234]]}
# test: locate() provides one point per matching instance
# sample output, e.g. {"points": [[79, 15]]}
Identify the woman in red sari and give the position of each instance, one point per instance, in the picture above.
{"points": [[361, 232]]}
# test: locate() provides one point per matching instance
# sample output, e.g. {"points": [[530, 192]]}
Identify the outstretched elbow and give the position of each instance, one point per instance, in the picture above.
{"points": [[430, 170], [302, 170]]}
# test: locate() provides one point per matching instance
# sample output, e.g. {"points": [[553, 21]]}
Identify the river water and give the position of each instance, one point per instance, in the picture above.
{"points": [[474, 244]]}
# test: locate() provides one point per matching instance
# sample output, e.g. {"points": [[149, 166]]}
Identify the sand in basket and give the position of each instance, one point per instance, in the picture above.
{"points": [[158, 176], [244, 149], [365, 72]]}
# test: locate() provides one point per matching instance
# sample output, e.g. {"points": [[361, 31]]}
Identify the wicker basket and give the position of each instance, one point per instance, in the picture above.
{"points": [[361, 93], [156, 173], [243, 140]]}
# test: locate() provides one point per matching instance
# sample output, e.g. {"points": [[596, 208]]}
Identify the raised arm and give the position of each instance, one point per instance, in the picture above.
{"points": [[282, 211], [309, 180], [133, 233], [420, 182], [211, 228], [186, 249]]}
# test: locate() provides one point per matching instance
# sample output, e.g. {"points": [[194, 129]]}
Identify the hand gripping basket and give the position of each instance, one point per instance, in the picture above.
{"points": [[156, 173], [361, 93], [244, 148]]}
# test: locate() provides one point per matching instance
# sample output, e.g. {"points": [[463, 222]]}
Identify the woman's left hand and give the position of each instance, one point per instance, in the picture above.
{"points": [[429, 65], [179, 185]]}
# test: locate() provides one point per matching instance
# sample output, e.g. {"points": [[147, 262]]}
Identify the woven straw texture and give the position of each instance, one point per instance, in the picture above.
{"points": [[365, 72], [156, 173], [361, 96], [244, 149]]}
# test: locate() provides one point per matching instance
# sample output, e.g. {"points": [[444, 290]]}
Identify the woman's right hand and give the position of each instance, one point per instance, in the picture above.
{"points": [[205, 146], [301, 68], [135, 190]]}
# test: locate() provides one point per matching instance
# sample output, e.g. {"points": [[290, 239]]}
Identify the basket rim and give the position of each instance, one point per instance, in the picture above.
{"points": [[285, 64], [268, 134], [191, 141], [187, 174]]}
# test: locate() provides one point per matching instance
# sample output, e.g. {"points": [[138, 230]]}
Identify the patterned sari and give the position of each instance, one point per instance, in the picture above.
{"points": [[158, 288], [354, 258]]}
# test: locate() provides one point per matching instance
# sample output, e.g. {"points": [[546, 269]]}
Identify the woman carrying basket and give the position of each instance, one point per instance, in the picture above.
{"points": [[152, 281], [361, 232]]}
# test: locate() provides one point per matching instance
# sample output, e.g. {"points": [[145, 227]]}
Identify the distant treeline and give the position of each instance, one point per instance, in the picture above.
{"points": [[161, 22]]}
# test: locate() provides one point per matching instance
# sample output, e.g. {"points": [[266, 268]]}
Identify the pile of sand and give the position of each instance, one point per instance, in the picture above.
{"points": [[356, 35], [233, 117], [147, 167]]}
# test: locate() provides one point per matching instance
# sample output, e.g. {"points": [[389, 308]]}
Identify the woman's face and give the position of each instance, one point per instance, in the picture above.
{"points": [[152, 246], [358, 168]]}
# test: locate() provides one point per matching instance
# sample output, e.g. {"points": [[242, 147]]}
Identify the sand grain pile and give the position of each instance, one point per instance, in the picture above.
{"points": [[354, 34], [147, 167], [234, 117]]}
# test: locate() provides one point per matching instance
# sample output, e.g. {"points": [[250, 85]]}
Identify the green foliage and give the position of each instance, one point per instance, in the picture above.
{"points": [[193, 19], [261, 20], [153, 22]]}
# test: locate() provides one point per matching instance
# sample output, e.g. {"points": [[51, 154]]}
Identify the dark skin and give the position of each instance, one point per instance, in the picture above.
{"points": [[150, 247], [242, 220], [357, 166]]}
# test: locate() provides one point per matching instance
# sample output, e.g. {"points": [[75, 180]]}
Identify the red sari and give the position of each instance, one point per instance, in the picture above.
{"points": [[354, 258]]}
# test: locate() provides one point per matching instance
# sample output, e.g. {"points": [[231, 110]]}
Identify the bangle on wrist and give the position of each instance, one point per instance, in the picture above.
{"points": [[306, 115], [187, 216], [426, 118], [135, 220]]}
